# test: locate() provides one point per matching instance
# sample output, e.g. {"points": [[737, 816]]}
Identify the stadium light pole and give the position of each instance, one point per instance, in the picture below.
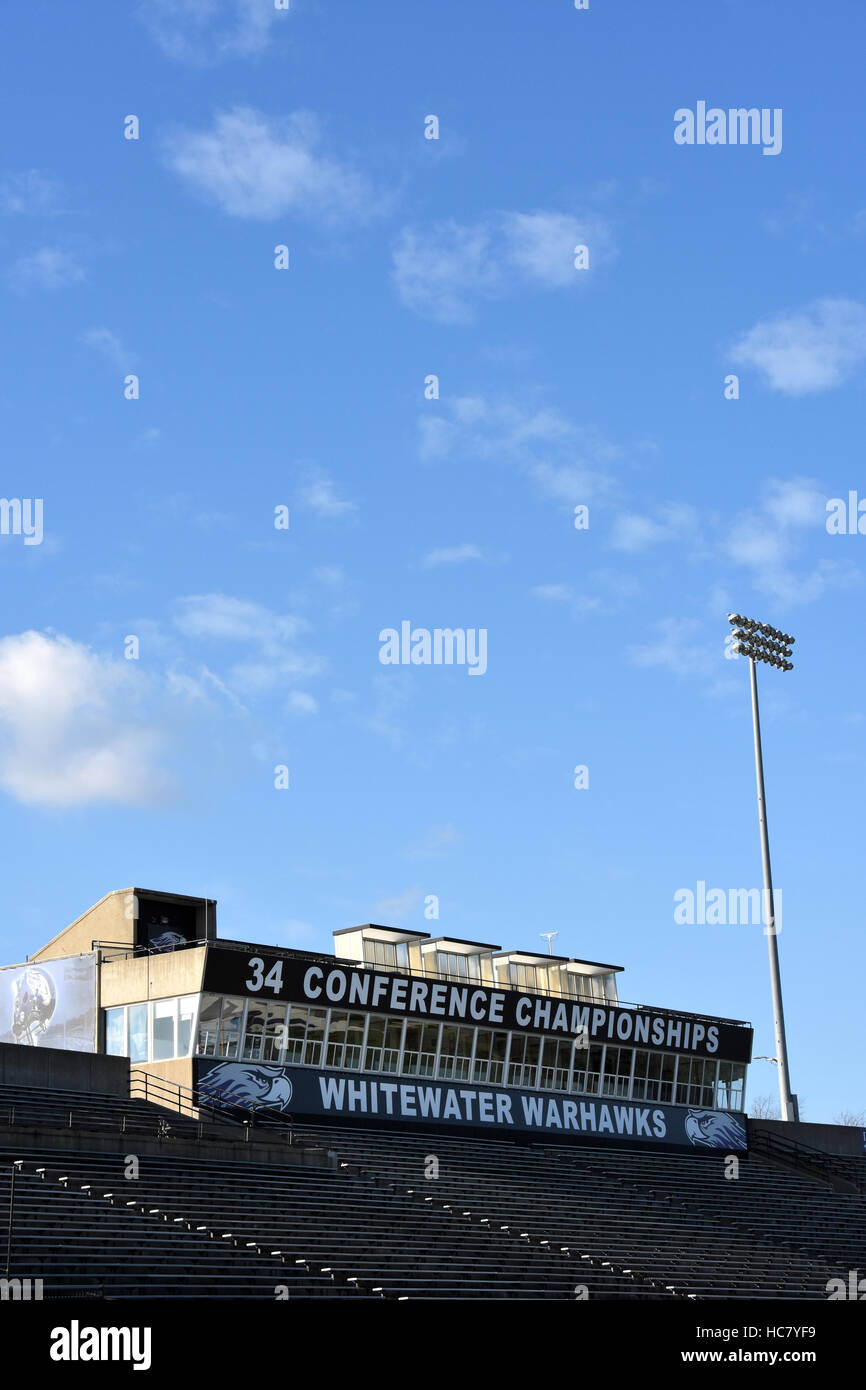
{"points": [[759, 642]]}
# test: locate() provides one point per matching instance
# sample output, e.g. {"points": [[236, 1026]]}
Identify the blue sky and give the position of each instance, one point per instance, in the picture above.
{"points": [[558, 386]]}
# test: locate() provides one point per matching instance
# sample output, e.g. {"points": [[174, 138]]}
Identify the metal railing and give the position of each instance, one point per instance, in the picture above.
{"points": [[802, 1156], [188, 1103], [179, 1115], [121, 950], [143, 1085], [26, 1114]]}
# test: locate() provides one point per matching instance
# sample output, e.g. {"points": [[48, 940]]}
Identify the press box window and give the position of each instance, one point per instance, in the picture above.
{"points": [[390, 953], [115, 1032], [138, 1032], [419, 1048], [209, 1024], [457, 966], [186, 1008]]}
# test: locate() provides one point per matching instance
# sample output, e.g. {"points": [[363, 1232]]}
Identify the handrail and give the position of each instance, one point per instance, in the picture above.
{"points": [[124, 950], [216, 1111], [184, 1098], [86, 1117], [804, 1155], [201, 1118]]}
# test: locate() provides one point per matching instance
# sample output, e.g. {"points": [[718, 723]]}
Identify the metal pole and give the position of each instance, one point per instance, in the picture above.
{"points": [[788, 1101], [9, 1234]]}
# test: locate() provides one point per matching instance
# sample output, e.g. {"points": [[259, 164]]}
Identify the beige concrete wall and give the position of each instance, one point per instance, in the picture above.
{"points": [[105, 921], [176, 1071], [350, 946], [133, 980]]}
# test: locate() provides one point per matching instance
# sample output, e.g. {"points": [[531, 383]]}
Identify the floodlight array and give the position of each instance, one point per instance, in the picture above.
{"points": [[761, 642]]}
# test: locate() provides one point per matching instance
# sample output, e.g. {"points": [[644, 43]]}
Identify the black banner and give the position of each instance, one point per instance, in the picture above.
{"points": [[344, 985], [302, 1091]]}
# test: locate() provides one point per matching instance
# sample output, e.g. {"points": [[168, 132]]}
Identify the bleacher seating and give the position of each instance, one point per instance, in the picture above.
{"points": [[501, 1219], [671, 1219]]}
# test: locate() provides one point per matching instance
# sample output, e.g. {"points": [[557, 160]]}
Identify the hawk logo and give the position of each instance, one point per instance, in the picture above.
{"points": [[167, 940], [715, 1129], [246, 1085]]}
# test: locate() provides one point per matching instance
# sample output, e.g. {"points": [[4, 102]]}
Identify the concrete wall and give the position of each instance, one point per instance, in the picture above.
{"points": [[176, 1071], [107, 920], [133, 980], [831, 1139], [63, 1071]]}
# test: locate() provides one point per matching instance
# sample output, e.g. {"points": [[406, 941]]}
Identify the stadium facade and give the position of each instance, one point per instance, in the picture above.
{"points": [[396, 1026]]}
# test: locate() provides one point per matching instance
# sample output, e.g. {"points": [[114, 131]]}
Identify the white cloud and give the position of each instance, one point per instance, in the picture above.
{"points": [[48, 268], [635, 531], [301, 703], [330, 575], [807, 350], [541, 245], [148, 438], [390, 699], [209, 677], [554, 593], [441, 272], [69, 735], [793, 502], [320, 495], [258, 166], [605, 591], [764, 540], [203, 32], [274, 658], [225, 618], [394, 909], [444, 270], [102, 340], [437, 839], [566, 463], [30, 193], [451, 555], [679, 645]]}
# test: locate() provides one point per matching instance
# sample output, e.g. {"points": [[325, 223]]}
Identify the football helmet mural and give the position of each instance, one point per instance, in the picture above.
{"points": [[34, 1000]]}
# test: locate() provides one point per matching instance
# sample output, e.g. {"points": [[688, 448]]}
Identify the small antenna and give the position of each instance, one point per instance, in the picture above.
{"points": [[548, 937]]}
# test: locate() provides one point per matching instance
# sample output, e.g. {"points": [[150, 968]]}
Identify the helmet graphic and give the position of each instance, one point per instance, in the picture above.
{"points": [[34, 1000]]}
